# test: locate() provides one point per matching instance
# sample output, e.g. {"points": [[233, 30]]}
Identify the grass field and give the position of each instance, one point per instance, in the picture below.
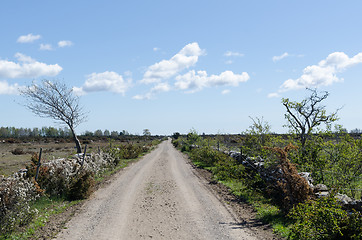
{"points": [[51, 148]]}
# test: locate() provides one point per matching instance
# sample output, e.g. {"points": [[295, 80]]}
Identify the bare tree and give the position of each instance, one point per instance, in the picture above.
{"points": [[55, 100], [303, 117]]}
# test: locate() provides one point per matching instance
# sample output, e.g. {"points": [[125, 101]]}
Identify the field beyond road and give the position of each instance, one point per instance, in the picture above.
{"points": [[158, 197]]}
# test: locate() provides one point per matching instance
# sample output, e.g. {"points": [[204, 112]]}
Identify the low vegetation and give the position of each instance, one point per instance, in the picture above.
{"points": [[283, 202]]}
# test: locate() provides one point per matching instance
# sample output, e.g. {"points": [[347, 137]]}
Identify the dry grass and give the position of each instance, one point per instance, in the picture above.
{"points": [[10, 163]]}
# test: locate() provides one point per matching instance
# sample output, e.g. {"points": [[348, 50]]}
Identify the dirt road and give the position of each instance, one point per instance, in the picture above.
{"points": [[158, 197]]}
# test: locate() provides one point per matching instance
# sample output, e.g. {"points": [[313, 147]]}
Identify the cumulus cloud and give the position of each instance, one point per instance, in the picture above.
{"points": [[6, 89], [187, 57], [323, 74], [106, 81], [27, 68], [278, 58], [161, 73], [28, 38], [64, 43], [158, 88], [196, 81], [46, 47], [233, 54]]}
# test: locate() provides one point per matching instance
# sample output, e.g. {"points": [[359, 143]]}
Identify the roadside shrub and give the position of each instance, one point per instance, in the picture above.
{"points": [[128, 151], [206, 156], [66, 178], [324, 219], [295, 189], [81, 185], [227, 168], [176, 142], [185, 148], [15, 195]]}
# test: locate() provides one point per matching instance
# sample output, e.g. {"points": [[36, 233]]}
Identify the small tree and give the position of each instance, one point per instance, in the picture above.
{"points": [[106, 133], [146, 132], [303, 117], [255, 137], [55, 100], [98, 133]]}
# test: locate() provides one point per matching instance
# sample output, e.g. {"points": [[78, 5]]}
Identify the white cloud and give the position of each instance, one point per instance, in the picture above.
{"points": [[278, 58], [156, 49], [142, 97], [64, 43], [28, 38], [5, 88], [229, 62], [226, 91], [323, 74], [187, 57], [79, 91], [23, 58], [160, 87], [233, 54], [106, 81], [192, 81], [27, 68], [273, 95], [46, 47]]}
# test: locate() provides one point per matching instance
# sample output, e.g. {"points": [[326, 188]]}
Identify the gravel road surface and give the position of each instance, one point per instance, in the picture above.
{"points": [[159, 197]]}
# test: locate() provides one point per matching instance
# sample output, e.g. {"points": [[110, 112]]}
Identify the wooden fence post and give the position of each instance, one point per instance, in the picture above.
{"points": [[38, 165]]}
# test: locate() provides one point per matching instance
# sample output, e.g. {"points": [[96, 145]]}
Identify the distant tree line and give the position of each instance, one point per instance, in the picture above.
{"points": [[105, 133], [13, 132], [7, 132]]}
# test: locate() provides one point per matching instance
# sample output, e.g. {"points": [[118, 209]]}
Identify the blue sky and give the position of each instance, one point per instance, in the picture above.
{"points": [[176, 65]]}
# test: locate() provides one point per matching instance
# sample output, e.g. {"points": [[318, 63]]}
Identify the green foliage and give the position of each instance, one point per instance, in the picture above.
{"points": [[227, 168], [176, 135], [128, 151], [43, 208], [176, 142], [192, 137], [334, 160], [81, 185], [207, 156], [324, 219]]}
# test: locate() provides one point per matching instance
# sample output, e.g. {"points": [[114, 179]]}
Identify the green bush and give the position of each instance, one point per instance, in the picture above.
{"points": [[185, 148], [176, 142], [227, 168], [128, 151], [206, 156], [81, 185], [324, 219]]}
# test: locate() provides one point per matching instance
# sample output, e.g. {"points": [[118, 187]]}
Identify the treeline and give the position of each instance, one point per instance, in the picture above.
{"points": [[13, 132]]}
